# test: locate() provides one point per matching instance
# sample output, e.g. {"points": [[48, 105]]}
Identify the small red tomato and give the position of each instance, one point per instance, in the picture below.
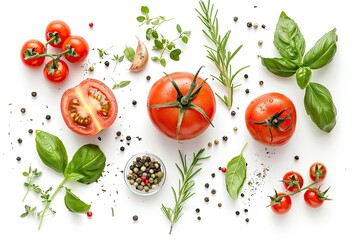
{"points": [[293, 181], [317, 172], [32, 48], [56, 71], [89, 213], [280, 203], [314, 197], [58, 31], [78, 49]]}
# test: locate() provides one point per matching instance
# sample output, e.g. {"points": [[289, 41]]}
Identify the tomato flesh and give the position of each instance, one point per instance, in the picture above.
{"points": [[89, 107]]}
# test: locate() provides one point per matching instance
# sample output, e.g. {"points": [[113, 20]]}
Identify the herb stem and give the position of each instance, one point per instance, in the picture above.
{"points": [[48, 202]]}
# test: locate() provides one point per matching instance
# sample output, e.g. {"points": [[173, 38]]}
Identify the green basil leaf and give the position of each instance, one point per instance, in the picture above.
{"points": [[88, 161], [74, 204], [129, 53], [288, 39], [235, 175], [322, 52], [320, 107], [280, 66], [303, 76], [51, 151]]}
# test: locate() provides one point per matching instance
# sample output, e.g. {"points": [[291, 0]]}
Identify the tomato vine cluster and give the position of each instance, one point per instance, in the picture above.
{"points": [[293, 182], [73, 48]]}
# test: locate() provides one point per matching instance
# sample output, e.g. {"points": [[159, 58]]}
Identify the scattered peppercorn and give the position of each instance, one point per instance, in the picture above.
{"points": [[122, 148], [219, 204], [260, 42], [236, 18], [30, 131], [148, 77], [91, 24], [18, 158], [207, 185], [47, 117], [206, 199], [118, 133], [23, 110], [247, 219], [19, 140], [91, 68], [247, 91], [225, 138], [246, 210], [89, 213], [134, 102], [213, 175], [233, 113], [249, 24], [242, 195], [34, 94], [128, 138], [235, 129], [223, 169], [255, 25], [99, 138], [219, 168], [209, 144], [246, 76], [213, 191], [263, 26], [216, 142], [261, 82], [197, 210], [237, 213], [135, 218], [296, 157], [199, 218], [107, 63]]}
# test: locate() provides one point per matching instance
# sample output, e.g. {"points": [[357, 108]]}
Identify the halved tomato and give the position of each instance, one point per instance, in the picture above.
{"points": [[89, 107]]}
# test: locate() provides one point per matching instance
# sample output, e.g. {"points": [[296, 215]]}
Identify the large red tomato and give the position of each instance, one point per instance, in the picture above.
{"points": [[181, 105], [32, 48], [79, 49], [59, 30], [271, 119], [89, 107]]}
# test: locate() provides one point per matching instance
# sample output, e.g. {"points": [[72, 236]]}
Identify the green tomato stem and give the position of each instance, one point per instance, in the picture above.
{"points": [[47, 205]]}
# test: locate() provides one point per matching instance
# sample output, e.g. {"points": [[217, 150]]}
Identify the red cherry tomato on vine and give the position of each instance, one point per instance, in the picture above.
{"points": [[317, 171], [312, 198], [58, 73], [293, 181], [271, 119], [79, 49], [89, 107], [280, 203], [58, 29], [30, 48], [167, 119]]}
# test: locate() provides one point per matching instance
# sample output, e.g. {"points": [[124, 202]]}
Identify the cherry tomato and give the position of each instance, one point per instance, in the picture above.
{"points": [[167, 119], [271, 119], [293, 181], [89, 107], [59, 30], [30, 48], [317, 171], [79, 47], [313, 198], [56, 73], [280, 203]]}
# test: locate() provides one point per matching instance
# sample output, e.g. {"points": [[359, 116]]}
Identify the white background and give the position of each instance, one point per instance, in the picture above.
{"points": [[115, 25]]}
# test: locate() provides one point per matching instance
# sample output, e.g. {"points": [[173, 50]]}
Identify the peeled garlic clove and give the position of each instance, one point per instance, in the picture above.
{"points": [[141, 57]]}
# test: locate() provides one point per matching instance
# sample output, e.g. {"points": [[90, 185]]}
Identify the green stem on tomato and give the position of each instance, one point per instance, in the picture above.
{"points": [[278, 198], [47, 205], [53, 56]]}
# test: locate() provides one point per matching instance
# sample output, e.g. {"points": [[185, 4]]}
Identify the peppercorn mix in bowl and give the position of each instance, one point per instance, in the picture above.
{"points": [[144, 173]]}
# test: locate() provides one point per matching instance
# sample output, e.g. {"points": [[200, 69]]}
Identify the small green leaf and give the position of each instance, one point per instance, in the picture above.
{"points": [[129, 53], [178, 28], [187, 32], [158, 44], [155, 22], [154, 34], [303, 76], [163, 62], [140, 19], [148, 33], [235, 175], [51, 151], [320, 107], [144, 10], [74, 204], [280, 66], [184, 39], [155, 58], [121, 84], [175, 54]]}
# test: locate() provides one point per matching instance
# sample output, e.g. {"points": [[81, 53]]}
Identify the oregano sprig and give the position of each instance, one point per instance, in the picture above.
{"points": [[31, 175]]}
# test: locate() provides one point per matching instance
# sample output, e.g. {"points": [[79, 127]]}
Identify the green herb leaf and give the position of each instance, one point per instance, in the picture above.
{"points": [[163, 62], [74, 204], [129, 53], [175, 54], [178, 28], [88, 161], [144, 10], [322, 52], [288, 39], [320, 107], [140, 19], [184, 39], [121, 84], [158, 44], [154, 34], [235, 175], [148, 33], [51, 151], [280, 66], [303, 76]]}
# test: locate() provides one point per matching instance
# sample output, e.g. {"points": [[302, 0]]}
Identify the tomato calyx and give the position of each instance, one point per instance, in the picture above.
{"points": [[321, 194], [318, 172], [276, 120], [276, 199], [184, 102], [292, 182]]}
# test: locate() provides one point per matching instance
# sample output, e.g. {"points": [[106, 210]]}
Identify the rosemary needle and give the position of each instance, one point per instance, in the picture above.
{"points": [[219, 53]]}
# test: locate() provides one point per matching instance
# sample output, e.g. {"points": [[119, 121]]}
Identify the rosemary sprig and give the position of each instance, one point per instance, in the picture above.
{"points": [[218, 53], [186, 183]]}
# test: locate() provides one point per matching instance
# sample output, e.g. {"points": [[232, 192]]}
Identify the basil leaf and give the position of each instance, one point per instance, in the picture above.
{"points": [[51, 151], [129, 53], [280, 66], [288, 39], [235, 175], [303, 76], [319, 105], [88, 161], [74, 204], [322, 52]]}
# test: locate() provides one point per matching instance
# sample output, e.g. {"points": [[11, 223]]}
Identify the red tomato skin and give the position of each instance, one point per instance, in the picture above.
{"points": [[284, 205], [60, 74], [312, 171], [312, 199], [165, 119], [261, 109], [297, 177], [63, 30], [81, 48], [38, 47], [99, 122]]}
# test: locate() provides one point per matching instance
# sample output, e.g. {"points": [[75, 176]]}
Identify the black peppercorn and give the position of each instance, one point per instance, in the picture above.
{"points": [[213, 191], [18, 158], [213, 175], [261, 82], [135, 218], [247, 91], [107, 63], [246, 210], [296, 157], [30, 131], [128, 138], [148, 77], [242, 195], [236, 18], [263, 26], [33, 94], [197, 210], [206, 199], [19, 140], [246, 76], [225, 138], [23, 110], [134, 102], [233, 113], [122, 148], [237, 213], [249, 24], [207, 185], [199, 218], [219, 204], [247, 219], [118, 133], [47, 117]]}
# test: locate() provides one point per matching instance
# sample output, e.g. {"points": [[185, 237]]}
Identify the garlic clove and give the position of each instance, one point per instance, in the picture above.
{"points": [[141, 58]]}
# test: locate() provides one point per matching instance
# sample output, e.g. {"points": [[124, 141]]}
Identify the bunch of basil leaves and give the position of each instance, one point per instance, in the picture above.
{"points": [[85, 167], [290, 43]]}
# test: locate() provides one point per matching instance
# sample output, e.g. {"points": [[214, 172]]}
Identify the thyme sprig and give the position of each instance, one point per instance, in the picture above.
{"points": [[219, 54], [185, 186]]}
